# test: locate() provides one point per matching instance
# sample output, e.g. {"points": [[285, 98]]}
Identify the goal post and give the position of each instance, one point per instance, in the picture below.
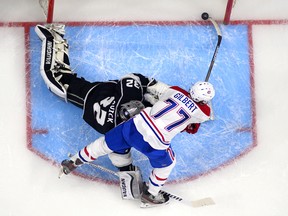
{"points": [[228, 11], [48, 9]]}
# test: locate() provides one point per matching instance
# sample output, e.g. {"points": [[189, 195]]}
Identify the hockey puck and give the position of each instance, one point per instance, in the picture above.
{"points": [[205, 16]]}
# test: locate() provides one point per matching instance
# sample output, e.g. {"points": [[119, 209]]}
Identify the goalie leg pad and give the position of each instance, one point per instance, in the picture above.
{"points": [[131, 184], [54, 59]]}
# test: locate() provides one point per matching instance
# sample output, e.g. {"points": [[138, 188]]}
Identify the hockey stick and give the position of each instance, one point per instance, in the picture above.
{"points": [[205, 16], [194, 203], [104, 169]]}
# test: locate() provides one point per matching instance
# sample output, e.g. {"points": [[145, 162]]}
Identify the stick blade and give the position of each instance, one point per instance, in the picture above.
{"points": [[203, 202]]}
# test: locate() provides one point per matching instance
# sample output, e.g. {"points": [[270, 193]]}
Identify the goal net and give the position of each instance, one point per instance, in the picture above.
{"points": [[48, 8]]}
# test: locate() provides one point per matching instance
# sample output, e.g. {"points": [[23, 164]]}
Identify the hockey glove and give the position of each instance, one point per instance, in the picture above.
{"points": [[157, 89], [192, 128], [150, 98]]}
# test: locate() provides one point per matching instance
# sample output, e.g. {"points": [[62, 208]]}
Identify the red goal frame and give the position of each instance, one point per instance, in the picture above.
{"points": [[226, 21], [228, 11], [50, 11]]}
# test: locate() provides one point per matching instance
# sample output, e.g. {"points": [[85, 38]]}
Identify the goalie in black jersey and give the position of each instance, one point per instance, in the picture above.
{"points": [[104, 104]]}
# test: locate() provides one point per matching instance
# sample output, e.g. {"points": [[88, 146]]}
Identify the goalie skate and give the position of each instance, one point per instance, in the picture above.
{"points": [[56, 27]]}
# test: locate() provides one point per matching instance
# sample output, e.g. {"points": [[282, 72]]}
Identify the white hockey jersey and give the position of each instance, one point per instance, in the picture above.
{"points": [[174, 111]]}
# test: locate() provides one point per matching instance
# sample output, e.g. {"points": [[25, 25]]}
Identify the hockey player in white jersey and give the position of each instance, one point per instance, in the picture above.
{"points": [[150, 132]]}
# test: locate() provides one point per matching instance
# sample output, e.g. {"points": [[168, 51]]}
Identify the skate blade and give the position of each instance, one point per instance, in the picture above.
{"points": [[151, 205], [61, 173]]}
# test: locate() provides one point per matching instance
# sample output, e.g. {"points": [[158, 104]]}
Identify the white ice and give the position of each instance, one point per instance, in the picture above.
{"points": [[256, 184]]}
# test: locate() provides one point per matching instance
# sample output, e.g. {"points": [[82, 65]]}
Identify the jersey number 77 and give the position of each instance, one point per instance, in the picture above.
{"points": [[170, 109]]}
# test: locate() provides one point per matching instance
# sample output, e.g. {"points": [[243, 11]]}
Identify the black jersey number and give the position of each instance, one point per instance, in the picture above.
{"points": [[99, 113]]}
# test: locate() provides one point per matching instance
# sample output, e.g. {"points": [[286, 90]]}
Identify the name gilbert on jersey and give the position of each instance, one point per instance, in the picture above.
{"points": [[189, 103]]}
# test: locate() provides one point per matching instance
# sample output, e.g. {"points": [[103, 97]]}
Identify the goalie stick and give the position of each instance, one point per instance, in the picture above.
{"points": [[195, 203], [205, 16]]}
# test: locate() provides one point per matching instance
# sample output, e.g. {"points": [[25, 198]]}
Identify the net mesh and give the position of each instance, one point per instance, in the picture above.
{"points": [[47, 8], [44, 5]]}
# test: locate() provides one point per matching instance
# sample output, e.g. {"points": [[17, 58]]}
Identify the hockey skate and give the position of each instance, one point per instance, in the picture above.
{"points": [[55, 58], [68, 166], [148, 200]]}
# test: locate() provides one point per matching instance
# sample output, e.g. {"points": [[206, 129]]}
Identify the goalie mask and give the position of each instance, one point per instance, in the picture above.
{"points": [[130, 109], [202, 92]]}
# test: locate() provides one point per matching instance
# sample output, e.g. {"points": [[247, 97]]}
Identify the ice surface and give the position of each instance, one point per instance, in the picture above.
{"points": [[167, 53], [257, 182]]}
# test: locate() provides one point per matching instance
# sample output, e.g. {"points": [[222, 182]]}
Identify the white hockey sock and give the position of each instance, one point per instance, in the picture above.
{"points": [[94, 150]]}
